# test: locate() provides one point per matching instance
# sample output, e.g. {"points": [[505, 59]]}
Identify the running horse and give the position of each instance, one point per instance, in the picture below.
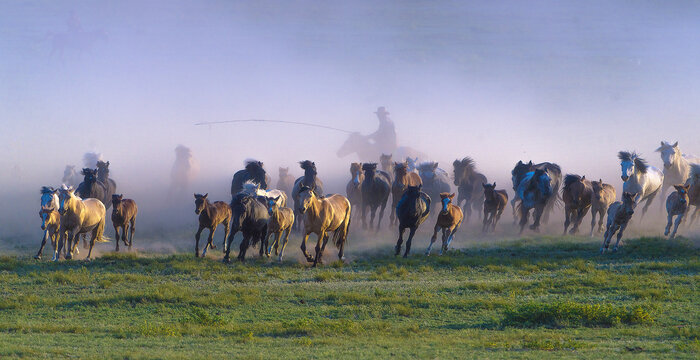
{"points": [[322, 216], [640, 178], [535, 191], [519, 172]]}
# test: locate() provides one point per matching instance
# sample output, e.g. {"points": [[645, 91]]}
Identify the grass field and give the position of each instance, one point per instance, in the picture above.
{"points": [[542, 297]]}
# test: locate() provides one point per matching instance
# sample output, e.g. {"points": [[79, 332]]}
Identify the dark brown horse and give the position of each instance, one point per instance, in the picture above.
{"points": [[413, 209], [518, 174], [123, 216], [468, 182], [210, 216], [254, 171], [109, 184], [375, 194], [402, 180], [495, 202], [576, 194], [353, 189]]}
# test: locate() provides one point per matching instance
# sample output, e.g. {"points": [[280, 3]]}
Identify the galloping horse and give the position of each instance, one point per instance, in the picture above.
{"points": [[353, 189], [468, 182], [79, 216], [279, 224], [495, 202], [413, 209], [109, 184], [535, 190], [210, 216], [91, 187], [50, 219], [375, 193], [402, 180], [694, 191], [448, 220], [640, 178], [676, 165], [619, 215], [577, 195], [250, 217], [309, 180], [124, 216], [519, 172], [435, 180], [321, 216], [602, 197], [676, 205], [253, 171]]}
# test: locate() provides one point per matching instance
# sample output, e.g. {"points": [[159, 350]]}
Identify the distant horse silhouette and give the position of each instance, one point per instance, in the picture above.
{"points": [[495, 202], [602, 197], [577, 195], [535, 190], [250, 217], [375, 193], [468, 182], [640, 178], [519, 172], [353, 189], [70, 176], [619, 215], [402, 180], [322, 216], [387, 165], [413, 209], [435, 180], [210, 216], [448, 220], [183, 171], [109, 184], [285, 182], [254, 171]]}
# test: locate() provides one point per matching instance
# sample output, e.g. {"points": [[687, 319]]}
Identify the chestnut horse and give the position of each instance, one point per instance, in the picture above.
{"points": [[448, 220], [210, 216], [123, 216], [602, 197], [402, 180], [576, 194], [495, 202], [323, 215]]}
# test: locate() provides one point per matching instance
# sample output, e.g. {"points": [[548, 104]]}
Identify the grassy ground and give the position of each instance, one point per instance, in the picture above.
{"points": [[534, 298]]}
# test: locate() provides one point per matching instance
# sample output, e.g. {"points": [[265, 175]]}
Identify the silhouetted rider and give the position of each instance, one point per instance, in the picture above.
{"points": [[385, 136]]}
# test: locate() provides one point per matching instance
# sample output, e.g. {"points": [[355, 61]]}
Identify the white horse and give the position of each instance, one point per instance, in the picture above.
{"points": [[250, 187], [676, 165], [640, 178]]}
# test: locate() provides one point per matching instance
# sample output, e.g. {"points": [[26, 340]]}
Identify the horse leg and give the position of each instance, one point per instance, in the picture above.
{"points": [[443, 248], [486, 223], [322, 238], [524, 214], [227, 232], [210, 240], [606, 238], [268, 251], [679, 219], [284, 242], [515, 215], [116, 236], [244, 247], [668, 224], [579, 220], [467, 210], [196, 238], [567, 221], [451, 236], [92, 243], [131, 232], [381, 215], [593, 212], [303, 248], [495, 220], [432, 239], [619, 235], [373, 212], [648, 203], [601, 219], [411, 233], [397, 249], [539, 212], [229, 240], [364, 215], [392, 216]]}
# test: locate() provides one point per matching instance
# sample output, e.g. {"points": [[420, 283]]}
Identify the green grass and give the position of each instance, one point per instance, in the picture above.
{"points": [[531, 298]]}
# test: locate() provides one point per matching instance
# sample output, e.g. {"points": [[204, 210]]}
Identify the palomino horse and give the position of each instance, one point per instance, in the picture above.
{"points": [[495, 202], [448, 220], [435, 180], [79, 216], [109, 184], [402, 180], [535, 191], [413, 209], [253, 171], [676, 165], [252, 188], [576, 194], [310, 180], [694, 191], [123, 216], [468, 182], [280, 224], [50, 219], [250, 217], [619, 215], [676, 205], [602, 197], [640, 178], [519, 172], [353, 189], [210, 216], [375, 193], [321, 216], [285, 182]]}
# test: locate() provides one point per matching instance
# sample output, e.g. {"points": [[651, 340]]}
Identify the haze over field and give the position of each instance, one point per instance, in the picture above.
{"points": [[498, 81]]}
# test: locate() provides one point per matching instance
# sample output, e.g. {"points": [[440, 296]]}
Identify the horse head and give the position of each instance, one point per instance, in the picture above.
{"points": [[351, 145], [309, 167], [90, 175], [200, 202], [116, 202], [462, 169], [356, 173], [446, 199], [306, 196], [65, 194], [669, 153]]}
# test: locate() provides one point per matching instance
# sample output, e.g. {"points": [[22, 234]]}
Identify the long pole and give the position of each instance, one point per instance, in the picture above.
{"points": [[274, 121]]}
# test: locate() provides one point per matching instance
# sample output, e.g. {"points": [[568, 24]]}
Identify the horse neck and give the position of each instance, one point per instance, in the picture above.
{"points": [[680, 167], [315, 207], [309, 178], [73, 205], [209, 208]]}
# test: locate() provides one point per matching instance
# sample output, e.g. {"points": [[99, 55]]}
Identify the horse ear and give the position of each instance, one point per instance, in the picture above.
{"points": [[600, 181], [435, 166], [662, 143], [530, 163], [277, 198], [205, 195], [583, 177], [195, 196], [520, 162], [452, 196], [494, 184], [675, 145]]}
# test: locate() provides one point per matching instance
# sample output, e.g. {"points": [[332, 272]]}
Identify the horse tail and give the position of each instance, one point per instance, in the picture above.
{"points": [[341, 236], [427, 200], [100, 232]]}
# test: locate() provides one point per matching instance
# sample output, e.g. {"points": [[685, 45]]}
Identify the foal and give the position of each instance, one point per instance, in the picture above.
{"points": [[602, 197], [676, 205], [210, 216], [449, 220], [123, 216], [619, 215], [494, 203], [280, 223]]}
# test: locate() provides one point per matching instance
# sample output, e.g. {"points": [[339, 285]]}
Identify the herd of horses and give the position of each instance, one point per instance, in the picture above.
{"points": [[260, 212]]}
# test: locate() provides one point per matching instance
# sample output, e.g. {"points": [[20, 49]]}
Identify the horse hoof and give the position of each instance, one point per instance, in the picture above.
{"points": [[310, 259], [38, 257], [227, 260], [405, 256]]}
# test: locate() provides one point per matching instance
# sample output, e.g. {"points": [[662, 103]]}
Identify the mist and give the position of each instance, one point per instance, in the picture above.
{"points": [[571, 83]]}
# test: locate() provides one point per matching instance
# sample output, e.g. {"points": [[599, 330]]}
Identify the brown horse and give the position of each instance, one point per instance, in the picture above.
{"points": [[280, 223], [602, 196], [323, 215], [123, 216], [79, 216], [210, 216], [354, 187], [576, 194], [402, 180], [448, 220], [495, 202], [676, 205], [619, 215]]}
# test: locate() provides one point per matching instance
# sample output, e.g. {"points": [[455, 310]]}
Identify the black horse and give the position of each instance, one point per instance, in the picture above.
{"points": [[535, 191], [309, 180], [91, 187], [468, 182], [108, 183], [249, 217], [375, 193], [412, 210], [253, 171], [519, 172]]}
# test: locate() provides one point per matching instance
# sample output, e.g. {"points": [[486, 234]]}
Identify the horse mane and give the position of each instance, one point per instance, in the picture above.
{"points": [[469, 163], [626, 155], [47, 190], [253, 165], [307, 165], [641, 164], [570, 179]]}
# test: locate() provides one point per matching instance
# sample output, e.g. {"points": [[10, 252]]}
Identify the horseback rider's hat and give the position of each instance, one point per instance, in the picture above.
{"points": [[381, 110]]}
